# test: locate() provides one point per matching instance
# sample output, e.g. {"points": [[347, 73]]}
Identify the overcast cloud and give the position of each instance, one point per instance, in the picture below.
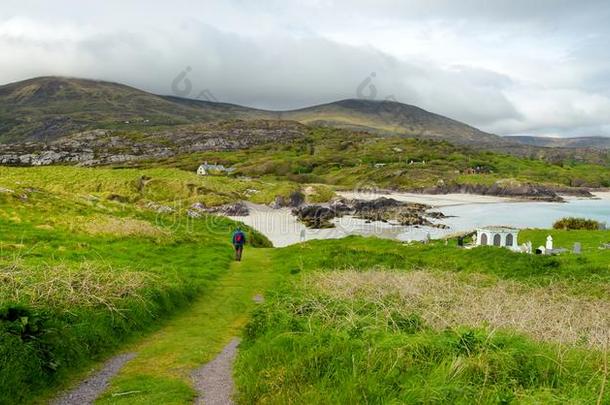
{"points": [[538, 67]]}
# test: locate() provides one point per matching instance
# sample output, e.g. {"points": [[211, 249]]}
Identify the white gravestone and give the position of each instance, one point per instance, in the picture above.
{"points": [[549, 242]]}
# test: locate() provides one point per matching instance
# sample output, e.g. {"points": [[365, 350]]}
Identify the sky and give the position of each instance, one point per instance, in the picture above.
{"points": [[536, 67]]}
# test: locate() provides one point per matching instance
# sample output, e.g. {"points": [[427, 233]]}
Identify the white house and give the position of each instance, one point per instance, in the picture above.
{"points": [[205, 169], [498, 236]]}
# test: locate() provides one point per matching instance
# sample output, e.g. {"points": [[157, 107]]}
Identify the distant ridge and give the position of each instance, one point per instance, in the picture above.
{"points": [[48, 108], [595, 142]]}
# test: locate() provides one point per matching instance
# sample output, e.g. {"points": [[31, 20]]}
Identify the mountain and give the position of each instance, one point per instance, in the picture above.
{"points": [[384, 117], [596, 142], [47, 108], [392, 118]]}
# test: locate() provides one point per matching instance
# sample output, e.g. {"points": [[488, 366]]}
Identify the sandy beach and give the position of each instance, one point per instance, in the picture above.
{"points": [[465, 212], [604, 195], [283, 229]]}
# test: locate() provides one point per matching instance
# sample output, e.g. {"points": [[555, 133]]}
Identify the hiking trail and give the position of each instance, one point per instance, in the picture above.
{"points": [[173, 364]]}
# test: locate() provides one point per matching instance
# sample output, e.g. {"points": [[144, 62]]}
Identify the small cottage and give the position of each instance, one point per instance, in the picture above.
{"points": [[207, 169], [498, 236]]}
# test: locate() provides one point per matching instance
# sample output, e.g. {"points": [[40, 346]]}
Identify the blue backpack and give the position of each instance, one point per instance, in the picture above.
{"points": [[238, 239]]}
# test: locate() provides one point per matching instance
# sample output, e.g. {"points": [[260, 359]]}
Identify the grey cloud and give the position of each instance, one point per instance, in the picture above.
{"points": [[276, 55]]}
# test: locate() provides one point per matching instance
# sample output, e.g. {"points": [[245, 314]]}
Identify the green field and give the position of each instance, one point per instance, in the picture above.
{"points": [[89, 267]]}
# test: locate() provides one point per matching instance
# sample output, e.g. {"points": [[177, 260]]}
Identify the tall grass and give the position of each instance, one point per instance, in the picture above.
{"points": [[62, 287], [445, 325], [445, 300], [305, 348]]}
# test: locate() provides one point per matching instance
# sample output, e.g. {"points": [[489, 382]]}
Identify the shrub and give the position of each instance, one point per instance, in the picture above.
{"points": [[576, 223]]}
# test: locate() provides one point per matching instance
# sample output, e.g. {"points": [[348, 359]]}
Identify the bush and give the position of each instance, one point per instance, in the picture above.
{"points": [[577, 223]]}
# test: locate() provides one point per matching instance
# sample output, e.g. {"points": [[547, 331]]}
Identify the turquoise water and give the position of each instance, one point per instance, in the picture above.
{"points": [[524, 214], [283, 229], [468, 217]]}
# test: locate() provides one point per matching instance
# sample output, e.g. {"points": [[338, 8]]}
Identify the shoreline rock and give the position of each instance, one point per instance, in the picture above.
{"points": [[382, 209], [236, 209], [529, 191]]}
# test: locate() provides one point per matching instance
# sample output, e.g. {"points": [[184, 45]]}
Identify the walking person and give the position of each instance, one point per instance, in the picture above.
{"points": [[239, 240]]}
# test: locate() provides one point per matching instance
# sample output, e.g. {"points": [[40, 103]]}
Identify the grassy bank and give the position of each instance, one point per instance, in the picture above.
{"points": [[175, 187], [370, 321], [80, 273]]}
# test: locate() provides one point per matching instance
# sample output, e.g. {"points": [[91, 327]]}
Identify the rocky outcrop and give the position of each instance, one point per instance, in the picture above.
{"points": [[237, 209], [43, 157], [382, 209], [294, 200], [573, 192], [390, 210], [316, 216], [159, 208], [512, 189], [101, 147]]}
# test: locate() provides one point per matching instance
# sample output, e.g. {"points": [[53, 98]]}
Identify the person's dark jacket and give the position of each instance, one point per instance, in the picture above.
{"points": [[239, 238]]}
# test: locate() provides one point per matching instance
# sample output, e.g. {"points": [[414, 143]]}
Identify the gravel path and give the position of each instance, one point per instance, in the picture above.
{"points": [[214, 381], [90, 389]]}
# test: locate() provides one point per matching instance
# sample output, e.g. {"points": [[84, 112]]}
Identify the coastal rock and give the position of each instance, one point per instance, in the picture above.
{"points": [[381, 209], [191, 213], [573, 192], [296, 199], [199, 206], [500, 188], [277, 203], [315, 216], [238, 209]]}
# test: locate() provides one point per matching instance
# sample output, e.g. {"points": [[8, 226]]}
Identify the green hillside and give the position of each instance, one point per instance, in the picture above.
{"points": [[348, 159]]}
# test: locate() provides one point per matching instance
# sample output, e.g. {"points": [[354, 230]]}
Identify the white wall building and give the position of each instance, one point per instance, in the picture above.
{"points": [[206, 169], [498, 236]]}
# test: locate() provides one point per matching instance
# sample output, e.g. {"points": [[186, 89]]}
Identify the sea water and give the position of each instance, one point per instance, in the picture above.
{"points": [[284, 229]]}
